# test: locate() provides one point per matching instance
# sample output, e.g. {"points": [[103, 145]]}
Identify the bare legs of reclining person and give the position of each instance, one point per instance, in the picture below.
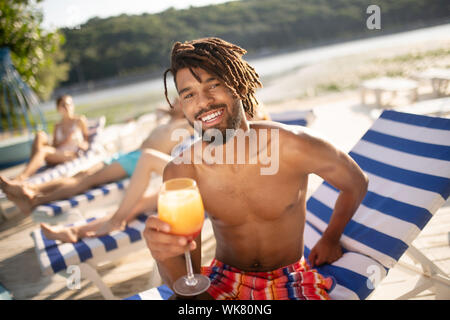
{"points": [[28, 197], [134, 202], [41, 153]]}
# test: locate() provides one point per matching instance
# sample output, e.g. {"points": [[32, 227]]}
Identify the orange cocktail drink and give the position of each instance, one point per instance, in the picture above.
{"points": [[180, 205], [183, 211]]}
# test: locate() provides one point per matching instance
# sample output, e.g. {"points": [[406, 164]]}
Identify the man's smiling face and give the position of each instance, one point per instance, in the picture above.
{"points": [[208, 101]]}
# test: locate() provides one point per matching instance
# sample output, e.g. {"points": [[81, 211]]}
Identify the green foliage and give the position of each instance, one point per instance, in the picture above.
{"points": [[35, 53], [126, 45]]}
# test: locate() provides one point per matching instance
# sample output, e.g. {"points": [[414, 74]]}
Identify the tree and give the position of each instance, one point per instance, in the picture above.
{"points": [[128, 45], [36, 53]]}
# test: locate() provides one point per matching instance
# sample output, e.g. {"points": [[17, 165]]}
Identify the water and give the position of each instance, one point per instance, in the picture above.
{"points": [[276, 64], [284, 62]]}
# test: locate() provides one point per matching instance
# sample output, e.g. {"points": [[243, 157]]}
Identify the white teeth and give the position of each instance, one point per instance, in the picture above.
{"points": [[212, 116]]}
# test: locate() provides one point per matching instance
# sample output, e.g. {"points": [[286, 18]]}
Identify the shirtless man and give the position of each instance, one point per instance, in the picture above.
{"points": [[153, 155], [258, 220]]}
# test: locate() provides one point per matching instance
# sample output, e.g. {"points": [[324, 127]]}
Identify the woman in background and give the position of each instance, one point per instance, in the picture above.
{"points": [[70, 136]]}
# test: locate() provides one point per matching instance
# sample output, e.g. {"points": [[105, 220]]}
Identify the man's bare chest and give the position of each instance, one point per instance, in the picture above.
{"points": [[237, 195]]}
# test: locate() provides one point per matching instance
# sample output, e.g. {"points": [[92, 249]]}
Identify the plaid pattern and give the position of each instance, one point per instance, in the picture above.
{"points": [[294, 282]]}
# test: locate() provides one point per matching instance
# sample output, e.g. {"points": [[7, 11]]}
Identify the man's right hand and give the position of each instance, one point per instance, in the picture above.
{"points": [[162, 244]]}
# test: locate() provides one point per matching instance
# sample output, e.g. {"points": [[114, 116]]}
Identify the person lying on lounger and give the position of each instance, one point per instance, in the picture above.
{"points": [[155, 150], [258, 217], [70, 137]]}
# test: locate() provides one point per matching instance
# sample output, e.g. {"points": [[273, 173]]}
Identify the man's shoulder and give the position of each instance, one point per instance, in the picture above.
{"points": [[286, 132], [178, 169], [269, 124], [295, 142]]}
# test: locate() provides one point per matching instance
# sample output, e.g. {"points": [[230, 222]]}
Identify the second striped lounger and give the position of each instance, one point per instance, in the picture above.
{"points": [[407, 159], [93, 155], [67, 169], [78, 206], [294, 117], [89, 253]]}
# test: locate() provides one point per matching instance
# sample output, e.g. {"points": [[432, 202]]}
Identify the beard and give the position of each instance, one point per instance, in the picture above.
{"points": [[232, 123]]}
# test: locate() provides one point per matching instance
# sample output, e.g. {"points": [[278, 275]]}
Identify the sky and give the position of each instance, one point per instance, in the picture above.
{"points": [[70, 13]]}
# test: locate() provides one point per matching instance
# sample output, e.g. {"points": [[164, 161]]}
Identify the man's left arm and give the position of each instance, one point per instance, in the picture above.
{"points": [[341, 171]]}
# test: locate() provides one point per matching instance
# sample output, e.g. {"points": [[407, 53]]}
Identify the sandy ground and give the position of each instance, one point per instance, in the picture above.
{"points": [[339, 117]]}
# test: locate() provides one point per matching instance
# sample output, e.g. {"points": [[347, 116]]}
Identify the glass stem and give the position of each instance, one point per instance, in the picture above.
{"points": [[190, 279]]}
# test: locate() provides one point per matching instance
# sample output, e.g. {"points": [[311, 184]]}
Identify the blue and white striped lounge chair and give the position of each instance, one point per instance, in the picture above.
{"points": [[407, 159], [77, 207], [68, 168], [294, 117], [93, 155], [67, 209], [88, 253]]}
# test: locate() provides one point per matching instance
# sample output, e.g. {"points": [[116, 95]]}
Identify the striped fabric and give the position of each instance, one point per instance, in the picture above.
{"points": [[294, 117], [183, 145], [80, 201], [356, 275], [54, 256], [66, 169], [69, 168], [407, 159], [294, 282], [108, 193], [93, 155], [160, 293]]}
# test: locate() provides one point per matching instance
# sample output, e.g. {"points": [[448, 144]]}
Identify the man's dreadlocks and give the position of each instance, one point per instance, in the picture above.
{"points": [[222, 59]]}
